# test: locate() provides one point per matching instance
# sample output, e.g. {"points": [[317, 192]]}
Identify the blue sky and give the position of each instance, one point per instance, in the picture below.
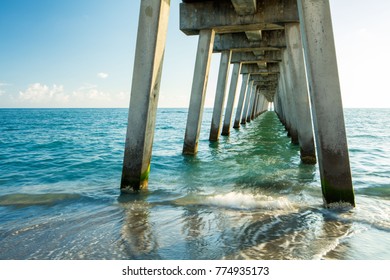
{"points": [[80, 53]]}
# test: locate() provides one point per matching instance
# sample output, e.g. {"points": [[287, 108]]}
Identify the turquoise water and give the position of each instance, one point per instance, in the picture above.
{"points": [[245, 197]]}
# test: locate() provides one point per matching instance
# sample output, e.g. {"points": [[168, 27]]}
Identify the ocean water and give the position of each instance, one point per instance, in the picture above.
{"points": [[245, 197]]}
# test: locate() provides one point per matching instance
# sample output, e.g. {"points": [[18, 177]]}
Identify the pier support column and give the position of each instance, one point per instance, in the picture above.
{"points": [[292, 99], [251, 104], [325, 96], [260, 106], [266, 105], [198, 91], [301, 97], [263, 104], [220, 95], [279, 103], [231, 99], [288, 99], [148, 63], [247, 99], [254, 108], [282, 99], [276, 103], [240, 105]]}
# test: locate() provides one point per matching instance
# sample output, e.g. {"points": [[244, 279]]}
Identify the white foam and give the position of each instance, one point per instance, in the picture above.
{"points": [[339, 205], [236, 200]]}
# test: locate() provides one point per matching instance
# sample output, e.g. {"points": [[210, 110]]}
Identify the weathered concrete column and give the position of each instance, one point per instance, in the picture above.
{"points": [[255, 105], [220, 95], [266, 104], [276, 103], [240, 105], [281, 112], [231, 98], [284, 98], [258, 104], [301, 97], [198, 92], [148, 62], [325, 96], [254, 108], [279, 103], [290, 99], [262, 101], [281, 94], [250, 105], [276, 108], [246, 105], [262, 104]]}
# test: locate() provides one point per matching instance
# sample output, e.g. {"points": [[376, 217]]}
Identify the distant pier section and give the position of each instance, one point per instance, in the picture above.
{"points": [[284, 51]]}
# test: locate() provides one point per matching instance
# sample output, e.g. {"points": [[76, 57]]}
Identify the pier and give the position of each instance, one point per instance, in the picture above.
{"points": [[284, 51]]}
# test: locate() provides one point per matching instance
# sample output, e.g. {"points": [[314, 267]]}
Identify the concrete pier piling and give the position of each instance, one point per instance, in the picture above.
{"points": [[220, 94], [255, 102], [284, 51], [251, 104], [290, 98], [231, 99], [325, 96], [198, 92], [287, 101], [149, 56], [301, 97], [241, 100], [247, 102], [263, 104]]}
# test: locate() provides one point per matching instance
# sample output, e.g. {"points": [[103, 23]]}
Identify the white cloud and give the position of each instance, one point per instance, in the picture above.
{"points": [[102, 75], [44, 95], [39, 95], [91, 95]]}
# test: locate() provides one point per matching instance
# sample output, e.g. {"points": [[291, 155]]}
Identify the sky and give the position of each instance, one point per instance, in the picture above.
{"points": [[80, 54]]}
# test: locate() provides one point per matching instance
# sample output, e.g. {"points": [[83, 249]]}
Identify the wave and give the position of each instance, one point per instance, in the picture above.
{"points": [[238, 201]]}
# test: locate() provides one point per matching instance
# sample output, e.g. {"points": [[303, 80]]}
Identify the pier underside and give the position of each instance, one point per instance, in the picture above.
{"points": [[285, 54]]}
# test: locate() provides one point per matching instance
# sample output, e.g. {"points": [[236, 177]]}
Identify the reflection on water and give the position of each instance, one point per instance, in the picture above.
{"points": [[138, 240]]}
